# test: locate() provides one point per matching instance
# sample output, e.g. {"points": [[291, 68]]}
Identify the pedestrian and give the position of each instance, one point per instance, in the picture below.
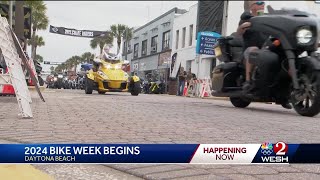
{"points": [[181, 78]]}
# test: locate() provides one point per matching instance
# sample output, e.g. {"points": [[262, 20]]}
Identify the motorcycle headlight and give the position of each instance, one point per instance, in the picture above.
{"points": [[118, 66], [65, 78], [304, 36], [55, 79], [108, 66], [60, 76], [102, 74]]}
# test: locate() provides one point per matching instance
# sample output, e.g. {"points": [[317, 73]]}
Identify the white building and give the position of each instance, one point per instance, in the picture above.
{"points": [[184, 44], [149, 50]]}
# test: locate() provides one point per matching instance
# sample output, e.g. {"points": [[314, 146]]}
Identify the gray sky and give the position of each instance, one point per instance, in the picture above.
{"points": [[98, 15]]}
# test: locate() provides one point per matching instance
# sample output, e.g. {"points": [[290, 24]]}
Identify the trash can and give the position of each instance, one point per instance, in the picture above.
{"points": [[172, 86]]}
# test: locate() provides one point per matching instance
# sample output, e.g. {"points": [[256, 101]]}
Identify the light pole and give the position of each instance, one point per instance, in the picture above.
{"points": [[126, 44], [10, 13]]}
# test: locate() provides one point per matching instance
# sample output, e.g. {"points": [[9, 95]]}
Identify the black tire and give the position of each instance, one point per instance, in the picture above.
{"points": [[239, 102], [41, 82], [101, 92], [88, 86], [136, 89], [306, 109]]}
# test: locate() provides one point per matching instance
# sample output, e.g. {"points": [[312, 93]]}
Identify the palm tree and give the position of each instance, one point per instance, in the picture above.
{"points": [[39, 58], [68, 64], [86, 57], [35, 42], [59, 68], [101, 41], [39, 21], [51, 68], [75, 61], [120, 31]]}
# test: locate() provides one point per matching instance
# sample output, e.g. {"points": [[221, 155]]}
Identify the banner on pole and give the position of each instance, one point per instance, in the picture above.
{"points": [[76, 33]]}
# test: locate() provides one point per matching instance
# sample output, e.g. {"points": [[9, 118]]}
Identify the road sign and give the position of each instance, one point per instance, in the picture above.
{"points": [[52, 63], [205, 42]]}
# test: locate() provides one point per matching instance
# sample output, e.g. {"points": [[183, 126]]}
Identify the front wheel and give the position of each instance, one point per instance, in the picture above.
{"points": [[88, 86], [239, 102], [136, 89], [306, 101]]}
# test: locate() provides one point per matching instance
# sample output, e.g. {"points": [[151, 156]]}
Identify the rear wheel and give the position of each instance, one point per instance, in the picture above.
{"points": [[88, 86], [239, 102], [136, 89], [306, 102]]}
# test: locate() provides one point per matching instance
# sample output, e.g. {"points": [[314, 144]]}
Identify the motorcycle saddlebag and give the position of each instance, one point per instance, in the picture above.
{"points": [[225, 75]]}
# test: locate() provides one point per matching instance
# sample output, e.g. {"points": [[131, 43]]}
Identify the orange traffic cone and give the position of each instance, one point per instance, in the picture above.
{"points": [[185, 89], [8, 90]]}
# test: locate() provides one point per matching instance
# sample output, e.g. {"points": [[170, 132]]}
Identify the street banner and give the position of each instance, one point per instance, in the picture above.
{"points": [[206, 41], [210, 16], [75, 32], [173, 61], [264, 153]]}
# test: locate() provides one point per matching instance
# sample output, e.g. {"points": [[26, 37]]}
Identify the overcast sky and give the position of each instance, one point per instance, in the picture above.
{"points": [[97, 15]]}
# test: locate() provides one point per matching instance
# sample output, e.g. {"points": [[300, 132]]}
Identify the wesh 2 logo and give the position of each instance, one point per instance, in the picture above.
{"points": [[274, 153]]}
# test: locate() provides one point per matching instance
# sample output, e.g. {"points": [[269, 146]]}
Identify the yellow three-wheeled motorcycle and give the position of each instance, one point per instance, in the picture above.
{"points": [[107, 75]]}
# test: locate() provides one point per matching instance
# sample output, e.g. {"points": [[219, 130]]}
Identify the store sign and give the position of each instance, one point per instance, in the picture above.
{"points": [[164, 58], [136, 66]]}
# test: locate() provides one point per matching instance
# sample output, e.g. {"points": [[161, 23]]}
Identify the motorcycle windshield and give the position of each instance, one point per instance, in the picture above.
{"points": [[297, 11]]}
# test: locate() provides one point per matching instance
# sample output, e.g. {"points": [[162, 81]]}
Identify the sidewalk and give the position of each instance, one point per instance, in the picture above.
{"points": [[21, 171]]}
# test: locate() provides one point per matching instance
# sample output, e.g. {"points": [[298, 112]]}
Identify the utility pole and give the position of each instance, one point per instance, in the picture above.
{"points": [[10, 13], [126, 44]]}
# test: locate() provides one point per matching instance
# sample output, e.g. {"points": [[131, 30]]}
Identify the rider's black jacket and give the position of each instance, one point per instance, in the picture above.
{"points": [[250, 37]]}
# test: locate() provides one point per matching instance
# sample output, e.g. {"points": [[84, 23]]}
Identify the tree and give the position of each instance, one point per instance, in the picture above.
{"points": [[120, 31], [39, 21], [101, 41], [86, 57], [51, 68], [39, 58], [35, 41]]}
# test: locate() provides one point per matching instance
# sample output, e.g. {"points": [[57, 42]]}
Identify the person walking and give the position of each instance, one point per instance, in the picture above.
{"points": [[181, 78]]}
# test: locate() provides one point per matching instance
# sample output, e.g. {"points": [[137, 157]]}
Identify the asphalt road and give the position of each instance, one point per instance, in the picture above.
{"points": [[70, 116]]}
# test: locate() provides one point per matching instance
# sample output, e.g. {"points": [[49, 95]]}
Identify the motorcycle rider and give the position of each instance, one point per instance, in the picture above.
{"points": [[253, 41]]}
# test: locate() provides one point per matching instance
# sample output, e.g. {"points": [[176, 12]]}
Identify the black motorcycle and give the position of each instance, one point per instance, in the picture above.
{"points": [[58, 81], [281, 71]]}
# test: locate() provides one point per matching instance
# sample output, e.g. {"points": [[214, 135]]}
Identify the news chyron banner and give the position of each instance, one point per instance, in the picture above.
{"points": [[279, 152]]}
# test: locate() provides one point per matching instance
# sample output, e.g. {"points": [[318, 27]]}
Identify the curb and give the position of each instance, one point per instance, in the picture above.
{"points": [[32, 88]]}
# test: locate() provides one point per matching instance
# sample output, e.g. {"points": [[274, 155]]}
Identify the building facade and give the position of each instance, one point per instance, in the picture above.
{"points": [[184, 46], [149, 50]]}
